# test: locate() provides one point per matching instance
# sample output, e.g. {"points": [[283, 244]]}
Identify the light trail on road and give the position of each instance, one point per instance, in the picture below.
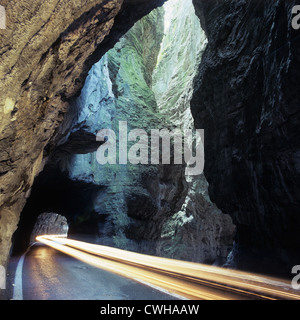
{"points": [[190, 280]]}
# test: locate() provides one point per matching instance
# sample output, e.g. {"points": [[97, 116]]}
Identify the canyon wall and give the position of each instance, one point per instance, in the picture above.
{"points": [[247, 100]]}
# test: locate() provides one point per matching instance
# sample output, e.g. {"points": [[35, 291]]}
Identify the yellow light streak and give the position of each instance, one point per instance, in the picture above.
{"points": [[190, 280]]}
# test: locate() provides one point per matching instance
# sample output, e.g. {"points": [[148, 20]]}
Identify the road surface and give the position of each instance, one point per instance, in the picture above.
{"points": [[51, 275], [67, 269]]}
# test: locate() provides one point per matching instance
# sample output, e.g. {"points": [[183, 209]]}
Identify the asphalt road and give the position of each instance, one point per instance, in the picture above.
{"points": [[48, 271], [51, 275]]}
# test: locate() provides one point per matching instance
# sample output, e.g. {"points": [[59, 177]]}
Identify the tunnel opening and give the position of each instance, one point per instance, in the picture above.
{"points": [[147, 81], [54, 192]]}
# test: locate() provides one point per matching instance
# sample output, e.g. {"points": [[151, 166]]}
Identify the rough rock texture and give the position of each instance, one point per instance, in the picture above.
{"points": [[49, 223], [198, 231], [46, 52], [247, 100], [180, 54]]}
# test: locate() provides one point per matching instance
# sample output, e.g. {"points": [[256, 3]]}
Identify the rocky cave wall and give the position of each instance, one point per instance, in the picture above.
{"points": [[247, 100], [49, 223]]}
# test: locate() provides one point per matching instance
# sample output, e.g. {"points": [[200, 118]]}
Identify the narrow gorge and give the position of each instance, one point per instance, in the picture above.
{"points": [[72, 68]]}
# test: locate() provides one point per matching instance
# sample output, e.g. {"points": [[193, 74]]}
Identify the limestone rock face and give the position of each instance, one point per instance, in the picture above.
{"points": [[247, 100], [181, 50], [198, 231], [46, 52], [51, 224]]}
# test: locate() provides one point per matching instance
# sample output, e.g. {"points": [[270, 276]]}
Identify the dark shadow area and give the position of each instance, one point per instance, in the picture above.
{"points": [[53, 191]]}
